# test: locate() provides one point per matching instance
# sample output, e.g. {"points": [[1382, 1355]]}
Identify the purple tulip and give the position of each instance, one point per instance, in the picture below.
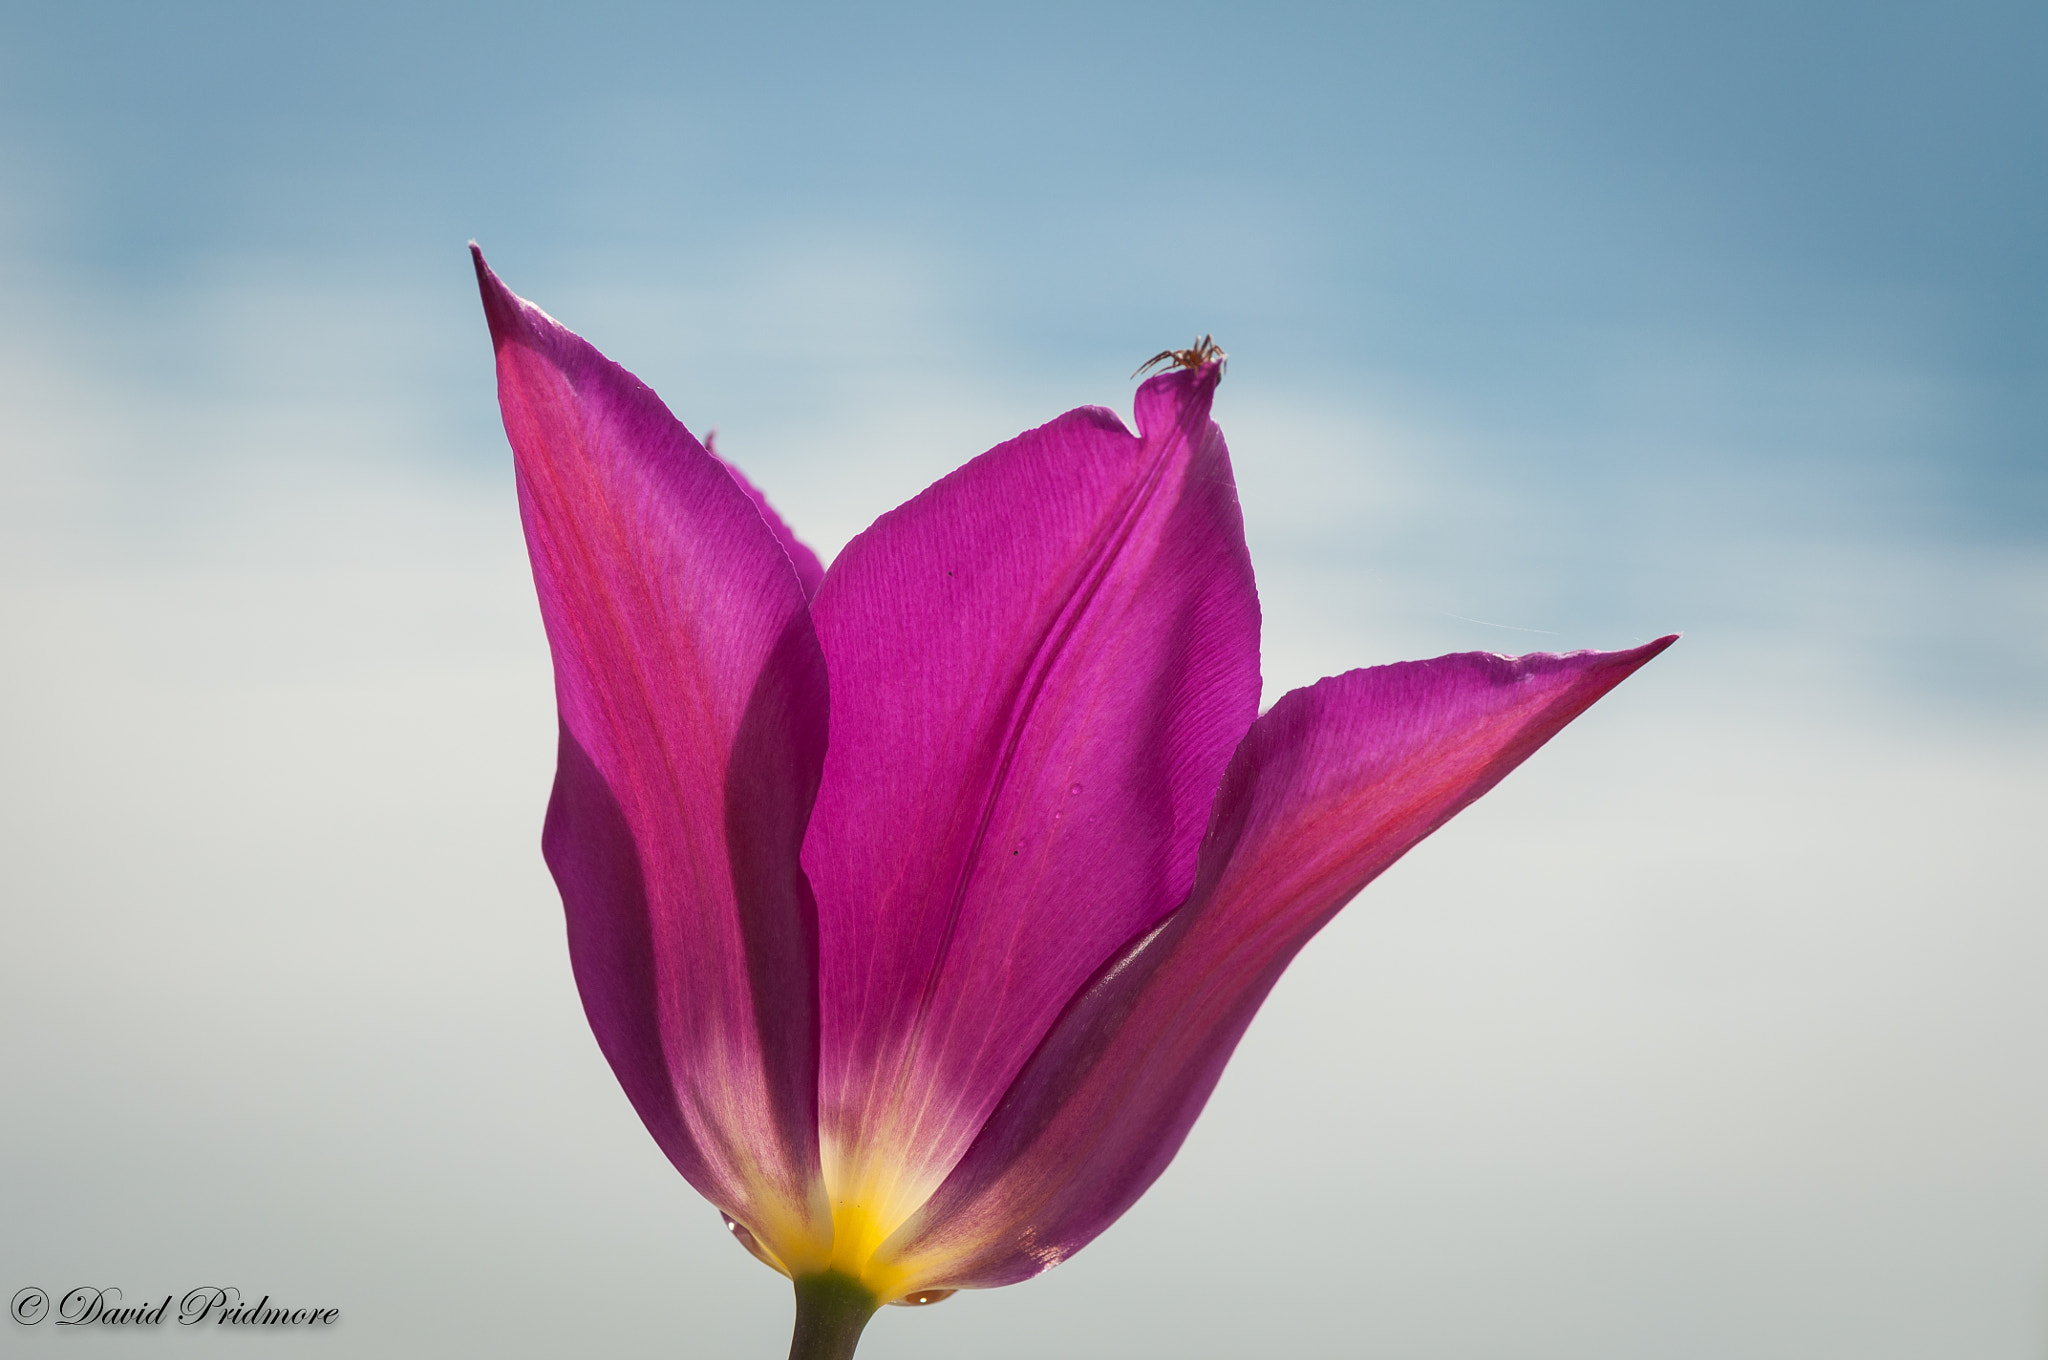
{"points": [[918, 902]]}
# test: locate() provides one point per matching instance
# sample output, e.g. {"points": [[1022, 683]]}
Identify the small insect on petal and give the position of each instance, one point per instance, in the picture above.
{"points": [[1203, 351], [893, 1054]]}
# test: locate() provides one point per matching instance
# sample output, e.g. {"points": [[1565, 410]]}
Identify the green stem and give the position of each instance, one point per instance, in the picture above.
{"points": [[831, 1309]]}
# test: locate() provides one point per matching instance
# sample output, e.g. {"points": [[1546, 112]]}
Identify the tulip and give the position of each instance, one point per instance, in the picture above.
{"points": [[918, 902]]}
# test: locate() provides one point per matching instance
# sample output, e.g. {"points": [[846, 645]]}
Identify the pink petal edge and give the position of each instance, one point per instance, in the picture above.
{"points": [[693, 714], [1330, 787], [1039, 666], [809, 570]]}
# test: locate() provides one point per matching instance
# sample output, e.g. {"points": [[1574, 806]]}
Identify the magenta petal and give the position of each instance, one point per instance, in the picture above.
{"points": [[1039, 669], [809, 570], [1330, 787], [693, 715]]}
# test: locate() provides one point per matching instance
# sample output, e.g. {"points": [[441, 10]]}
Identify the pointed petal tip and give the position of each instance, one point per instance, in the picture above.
{"points": [[1633, 657], [1653, 648], [513, 319], [502, 307], [1616, 665]]}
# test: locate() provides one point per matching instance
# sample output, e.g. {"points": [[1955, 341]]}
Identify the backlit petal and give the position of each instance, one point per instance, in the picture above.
{"points": [[1039, 669], [693, 711], [1330, 787], [809, 570]]}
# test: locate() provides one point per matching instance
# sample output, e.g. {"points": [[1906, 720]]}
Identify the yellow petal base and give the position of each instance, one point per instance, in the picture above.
{"points": [[865, 1209]]}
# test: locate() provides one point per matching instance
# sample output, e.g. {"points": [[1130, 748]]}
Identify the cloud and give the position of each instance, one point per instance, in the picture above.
{"points": [[1714, 1027]]}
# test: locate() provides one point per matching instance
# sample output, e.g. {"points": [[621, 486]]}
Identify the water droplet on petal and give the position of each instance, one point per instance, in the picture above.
{"points": [[1075, 789], [747, 1239], [920, 1297]]}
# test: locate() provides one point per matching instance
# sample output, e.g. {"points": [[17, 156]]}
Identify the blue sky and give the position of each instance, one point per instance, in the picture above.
{"points": [[1667, 277], [1712, 1032]]}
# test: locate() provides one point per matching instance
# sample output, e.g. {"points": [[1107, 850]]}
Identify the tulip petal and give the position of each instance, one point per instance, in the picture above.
{"points": [[809, 570], [693, 721], [1331, 786], [1039, 669]]}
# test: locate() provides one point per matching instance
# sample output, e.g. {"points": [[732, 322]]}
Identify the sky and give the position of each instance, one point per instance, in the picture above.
{"points": [[1716, 1030]]}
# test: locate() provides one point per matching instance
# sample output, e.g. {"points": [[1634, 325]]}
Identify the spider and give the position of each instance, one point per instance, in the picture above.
{"points": [[1203, 351]]}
